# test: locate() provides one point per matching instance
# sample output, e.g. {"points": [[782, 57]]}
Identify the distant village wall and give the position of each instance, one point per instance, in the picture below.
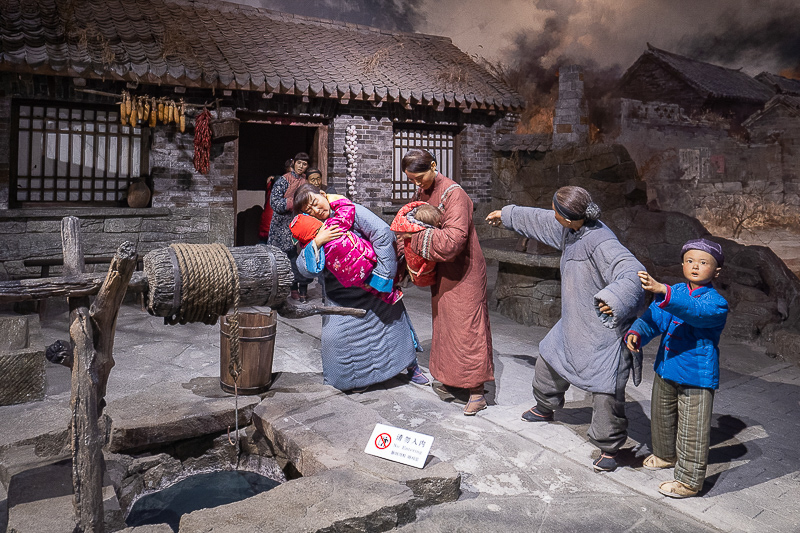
{"points": [[694, 167]]}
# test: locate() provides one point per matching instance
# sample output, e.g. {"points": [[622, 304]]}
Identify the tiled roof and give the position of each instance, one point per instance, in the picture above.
{"points": [[780, 84], [711, 80], [207, 43], [791, 103]]}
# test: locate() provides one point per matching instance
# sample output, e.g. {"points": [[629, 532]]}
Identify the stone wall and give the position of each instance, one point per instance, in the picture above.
{"points": [[696, 167], [29, 233]]}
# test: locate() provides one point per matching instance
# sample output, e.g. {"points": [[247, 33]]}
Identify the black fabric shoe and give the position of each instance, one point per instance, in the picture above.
{"points": [[534, 414], [607, 462]]}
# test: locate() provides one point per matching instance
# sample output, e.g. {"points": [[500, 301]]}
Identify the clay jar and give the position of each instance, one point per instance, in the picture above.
{"points": [[138, 194]]}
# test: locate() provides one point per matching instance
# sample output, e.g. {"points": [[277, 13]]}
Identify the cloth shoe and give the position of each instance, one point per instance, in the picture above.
{"points": [[534, 414], [416, 376], [607, 462], [676, 489], [451, 394], [477, 402], [653, 462]]}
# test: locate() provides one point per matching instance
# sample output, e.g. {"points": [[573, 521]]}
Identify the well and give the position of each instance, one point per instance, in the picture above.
{"points": [[256, 348]]}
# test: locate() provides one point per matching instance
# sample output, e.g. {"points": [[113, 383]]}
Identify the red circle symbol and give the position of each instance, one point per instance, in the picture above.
{"points": [[383, 441]]}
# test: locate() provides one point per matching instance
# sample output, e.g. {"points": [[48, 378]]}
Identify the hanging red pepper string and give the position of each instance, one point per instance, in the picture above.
{"points": [[202, 142]]}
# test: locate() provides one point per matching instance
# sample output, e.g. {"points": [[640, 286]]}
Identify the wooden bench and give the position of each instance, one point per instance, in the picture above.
{"points": [[46, 262]]}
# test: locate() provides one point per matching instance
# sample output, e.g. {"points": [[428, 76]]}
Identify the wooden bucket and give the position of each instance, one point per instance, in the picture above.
{"points": [[256, 347]]}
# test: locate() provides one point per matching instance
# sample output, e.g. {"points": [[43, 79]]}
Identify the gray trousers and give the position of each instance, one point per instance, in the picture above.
{"points": [[680, 424], [609, 428]]}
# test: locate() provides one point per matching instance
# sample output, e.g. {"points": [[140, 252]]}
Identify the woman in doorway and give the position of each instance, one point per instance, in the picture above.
{"points": [[266, 215], [461, 348], [280, 234], [359, 351]]}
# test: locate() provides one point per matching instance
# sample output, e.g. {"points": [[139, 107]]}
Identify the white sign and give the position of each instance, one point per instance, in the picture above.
{"points": [[399, 445]]}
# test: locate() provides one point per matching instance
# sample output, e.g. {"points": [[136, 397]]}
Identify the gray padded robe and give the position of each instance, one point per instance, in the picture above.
{"points": [[585, 347]]}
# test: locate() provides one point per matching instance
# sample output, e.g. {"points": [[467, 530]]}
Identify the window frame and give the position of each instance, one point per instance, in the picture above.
{"points": [[14, 176], [398, 149]]}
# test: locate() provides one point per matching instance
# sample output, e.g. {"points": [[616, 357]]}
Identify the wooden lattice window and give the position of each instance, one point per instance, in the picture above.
{"points": [[440, 143], [73, 155]]}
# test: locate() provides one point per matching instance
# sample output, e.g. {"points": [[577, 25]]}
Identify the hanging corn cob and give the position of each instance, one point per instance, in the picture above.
{"points": [[146, 115], [133, 114], [182, 117], [123, 111], [153, 113]]}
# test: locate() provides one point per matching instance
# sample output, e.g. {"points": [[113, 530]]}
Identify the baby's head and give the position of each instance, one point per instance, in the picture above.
{"points": [[428, 214], [309, 199], [702, 261], [305, 228]]}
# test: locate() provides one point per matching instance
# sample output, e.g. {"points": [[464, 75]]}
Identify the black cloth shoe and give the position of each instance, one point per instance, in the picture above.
{"points": [[607, 462], [535, 414]]}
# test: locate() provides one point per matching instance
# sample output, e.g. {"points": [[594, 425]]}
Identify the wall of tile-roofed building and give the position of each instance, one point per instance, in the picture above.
{"points": [[188, 206], [375, 130], [692, 166]]}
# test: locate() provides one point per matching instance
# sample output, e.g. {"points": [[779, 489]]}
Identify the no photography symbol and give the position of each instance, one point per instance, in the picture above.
{"points": [[383, 441]]}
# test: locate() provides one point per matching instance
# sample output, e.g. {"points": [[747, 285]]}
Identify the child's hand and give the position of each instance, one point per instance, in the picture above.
{"points": [[407, 234], [495, 218], [632, 341], [650, 284], [604, 308], [327, 234]]}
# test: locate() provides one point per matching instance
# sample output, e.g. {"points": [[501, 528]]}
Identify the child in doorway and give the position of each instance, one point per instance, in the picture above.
{"points": [[690, 317], [412, 218], [349, 258]]}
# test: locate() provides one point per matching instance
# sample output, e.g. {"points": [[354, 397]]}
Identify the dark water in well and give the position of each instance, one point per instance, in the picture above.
{"points": [[200, 491]]}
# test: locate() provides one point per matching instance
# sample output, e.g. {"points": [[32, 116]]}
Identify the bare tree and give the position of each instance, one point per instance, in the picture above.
{"points": [[758, 206]]}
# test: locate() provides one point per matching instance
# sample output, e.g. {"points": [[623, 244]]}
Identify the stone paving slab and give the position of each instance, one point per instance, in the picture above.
{"points": [[754, 470], [169, 412], [342, 499]]}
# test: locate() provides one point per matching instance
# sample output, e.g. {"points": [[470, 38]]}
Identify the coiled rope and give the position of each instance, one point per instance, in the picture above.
{"points": [[209, 288]]}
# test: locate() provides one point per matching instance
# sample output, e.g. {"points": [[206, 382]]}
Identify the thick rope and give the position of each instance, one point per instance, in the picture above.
{"points": [[209, 287]]}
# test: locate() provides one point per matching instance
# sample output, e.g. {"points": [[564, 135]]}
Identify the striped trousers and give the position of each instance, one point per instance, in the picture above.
{"points": [[680, 424]]}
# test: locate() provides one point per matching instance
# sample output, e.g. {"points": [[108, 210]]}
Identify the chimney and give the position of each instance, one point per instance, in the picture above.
{"points": [[571, 117]]}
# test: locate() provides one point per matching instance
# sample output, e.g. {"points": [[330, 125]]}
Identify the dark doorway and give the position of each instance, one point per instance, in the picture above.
{"points": [[263, 151]]}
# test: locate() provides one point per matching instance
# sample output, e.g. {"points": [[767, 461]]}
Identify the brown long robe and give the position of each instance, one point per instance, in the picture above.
{"points": [[461, 349]]}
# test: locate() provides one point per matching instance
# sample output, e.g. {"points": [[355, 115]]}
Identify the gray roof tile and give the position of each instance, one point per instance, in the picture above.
{"points": [[210, 43]]}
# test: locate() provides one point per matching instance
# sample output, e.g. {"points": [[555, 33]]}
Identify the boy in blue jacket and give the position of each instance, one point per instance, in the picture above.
{"points": [[689, 317]]}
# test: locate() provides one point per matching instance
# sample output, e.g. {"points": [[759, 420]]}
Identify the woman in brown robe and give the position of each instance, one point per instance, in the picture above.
{"points": [[461, 349]]}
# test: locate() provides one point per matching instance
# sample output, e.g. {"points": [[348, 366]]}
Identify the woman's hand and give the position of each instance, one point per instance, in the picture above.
{"points": [[495, 218], [604, 308], [408, 234], [650, 284], [327, 234], [632, 342]]}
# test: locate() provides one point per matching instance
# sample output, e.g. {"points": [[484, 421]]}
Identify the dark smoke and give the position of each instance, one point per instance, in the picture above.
{"points": [[777, 37], [389, 15], [534, 74]]}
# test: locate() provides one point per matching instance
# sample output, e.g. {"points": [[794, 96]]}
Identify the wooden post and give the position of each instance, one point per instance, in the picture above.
{"points": [[92, 335], [87, 455]]}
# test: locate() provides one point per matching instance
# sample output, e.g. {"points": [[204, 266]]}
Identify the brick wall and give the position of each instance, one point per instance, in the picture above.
{"points": [[374, 127]]}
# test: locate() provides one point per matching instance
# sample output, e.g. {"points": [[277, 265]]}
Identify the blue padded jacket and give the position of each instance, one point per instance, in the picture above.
{"points": [[690, 323]]}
